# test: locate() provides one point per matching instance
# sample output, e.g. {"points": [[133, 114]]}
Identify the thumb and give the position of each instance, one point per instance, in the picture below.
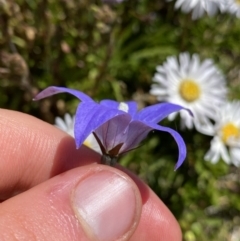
{"points": [[90, 203]]}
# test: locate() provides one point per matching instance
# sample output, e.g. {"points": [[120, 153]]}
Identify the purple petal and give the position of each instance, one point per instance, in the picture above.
{"points": [[110, 103], [132, 105], [156, 113], [114, 131], [53, 90], [89, 117], [179, 140], [137, 131]]}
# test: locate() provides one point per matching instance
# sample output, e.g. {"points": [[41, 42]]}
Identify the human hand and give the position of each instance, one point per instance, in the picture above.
{"points": [[51, 191]]}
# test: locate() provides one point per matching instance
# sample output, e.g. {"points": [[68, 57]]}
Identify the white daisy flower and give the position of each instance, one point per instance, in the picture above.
{"points": [[232, 7], [197, 86], [67, 125], [198, 7], [226, 141]]}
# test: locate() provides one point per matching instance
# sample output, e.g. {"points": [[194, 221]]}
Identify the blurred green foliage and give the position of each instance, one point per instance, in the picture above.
{"points": [[111, 51]]}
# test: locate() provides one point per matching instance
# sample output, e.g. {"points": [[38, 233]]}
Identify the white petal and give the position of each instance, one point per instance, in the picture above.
{"points": [[60, 124], [217, 150], [68, 120], [92, 143], [199, 7], [235, 156], [66, 125], [205, 127]]}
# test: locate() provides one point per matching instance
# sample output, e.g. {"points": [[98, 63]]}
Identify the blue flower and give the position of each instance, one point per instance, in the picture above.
{"points": [[118, 127]]}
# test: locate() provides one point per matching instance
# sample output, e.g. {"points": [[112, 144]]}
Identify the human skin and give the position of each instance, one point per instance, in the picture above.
{"points": [[46, 185]]}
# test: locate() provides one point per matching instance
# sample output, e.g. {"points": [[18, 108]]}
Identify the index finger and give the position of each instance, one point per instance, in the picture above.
{"points": [[33, 151]]}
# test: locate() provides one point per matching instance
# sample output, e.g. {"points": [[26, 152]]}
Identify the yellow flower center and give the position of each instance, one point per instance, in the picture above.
{"points": [[228, 131], [237, 2], [189, 90]]}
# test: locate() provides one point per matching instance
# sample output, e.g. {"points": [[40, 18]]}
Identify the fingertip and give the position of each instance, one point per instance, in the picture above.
{"points": [[117, 212], [157, 222]]}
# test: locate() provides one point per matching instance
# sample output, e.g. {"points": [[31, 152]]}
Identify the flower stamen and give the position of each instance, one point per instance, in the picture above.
{"points": [[189, 90], [229, 131]]}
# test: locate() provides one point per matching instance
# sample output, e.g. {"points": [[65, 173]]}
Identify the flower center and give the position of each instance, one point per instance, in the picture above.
{"points": [[228, 131], [237, 2], [189, 90]]}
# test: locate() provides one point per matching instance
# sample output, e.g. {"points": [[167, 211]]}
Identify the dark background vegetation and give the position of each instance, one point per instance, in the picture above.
{"points": [[111, 51]]}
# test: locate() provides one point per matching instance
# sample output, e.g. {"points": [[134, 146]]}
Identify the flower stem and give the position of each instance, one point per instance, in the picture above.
{"points": [[108, 160]]}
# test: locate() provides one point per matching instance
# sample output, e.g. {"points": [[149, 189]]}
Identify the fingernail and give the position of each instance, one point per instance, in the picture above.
{"points": [[105, 203]]}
